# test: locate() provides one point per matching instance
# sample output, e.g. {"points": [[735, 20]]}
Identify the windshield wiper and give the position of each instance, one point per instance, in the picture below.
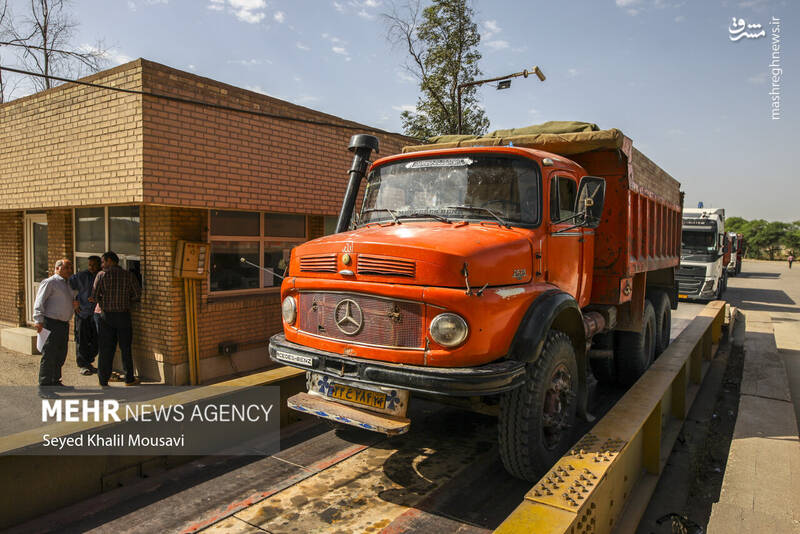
{"points": [[476, 208], [387, 210], [416, 215]]}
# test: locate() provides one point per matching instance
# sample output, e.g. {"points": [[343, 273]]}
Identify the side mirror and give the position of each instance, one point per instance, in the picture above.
{"points": [[590, 200]]}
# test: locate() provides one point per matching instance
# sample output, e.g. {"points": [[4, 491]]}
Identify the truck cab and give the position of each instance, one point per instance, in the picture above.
{"points": [[734, 266], [704, 244]]}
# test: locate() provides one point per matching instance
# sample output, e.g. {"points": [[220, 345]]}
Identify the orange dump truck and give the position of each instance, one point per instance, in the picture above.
{"points": [[505, 268]]}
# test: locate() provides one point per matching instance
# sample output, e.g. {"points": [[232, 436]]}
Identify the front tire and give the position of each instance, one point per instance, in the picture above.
{"points": [[537, 419], [634, 351]]}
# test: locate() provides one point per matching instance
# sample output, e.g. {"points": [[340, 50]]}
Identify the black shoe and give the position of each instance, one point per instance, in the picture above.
{"points": [[62, 385], [85, 371], [46, 393]]}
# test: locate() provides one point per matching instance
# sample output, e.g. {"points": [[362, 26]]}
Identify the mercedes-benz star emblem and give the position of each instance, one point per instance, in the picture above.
{"points": [[349, 317]]}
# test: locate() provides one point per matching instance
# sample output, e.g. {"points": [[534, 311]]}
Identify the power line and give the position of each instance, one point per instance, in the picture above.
{"points": [[198, 102]]}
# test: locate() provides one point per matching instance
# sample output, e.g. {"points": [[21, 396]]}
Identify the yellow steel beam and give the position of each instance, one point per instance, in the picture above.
{"points": [[588, 488]]}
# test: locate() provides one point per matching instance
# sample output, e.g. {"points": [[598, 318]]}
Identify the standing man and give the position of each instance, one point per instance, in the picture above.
{"points": [[114, 291], [52, 310], [791, 259], [85, 328]]}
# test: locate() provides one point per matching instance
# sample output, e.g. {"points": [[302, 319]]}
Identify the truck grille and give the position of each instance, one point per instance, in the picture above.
{"points": [[375, 321], [690, 286], [382, 265], [691, 270], [321, 263]]}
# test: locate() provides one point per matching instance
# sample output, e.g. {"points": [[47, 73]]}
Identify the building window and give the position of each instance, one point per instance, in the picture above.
{"points": [[263, 239], [330, 225], [108, 228]]}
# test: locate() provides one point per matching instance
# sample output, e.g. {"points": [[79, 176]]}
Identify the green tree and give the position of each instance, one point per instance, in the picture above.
{"points": [[767, 236], [442, 45], [791, 239], [735, 224]]}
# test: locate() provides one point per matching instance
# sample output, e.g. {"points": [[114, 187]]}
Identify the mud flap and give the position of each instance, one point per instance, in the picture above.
{"points": [[349, 415]]}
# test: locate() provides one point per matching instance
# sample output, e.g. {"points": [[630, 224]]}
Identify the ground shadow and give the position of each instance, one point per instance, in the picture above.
{"points": [[755, 295], [750, 274]]}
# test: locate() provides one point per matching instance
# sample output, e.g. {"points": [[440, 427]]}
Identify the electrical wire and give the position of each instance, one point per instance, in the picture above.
{"points": [[183, 100]]}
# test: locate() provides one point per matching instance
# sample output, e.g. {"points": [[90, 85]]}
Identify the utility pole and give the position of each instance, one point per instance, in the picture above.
{"points": [[505, 83]]}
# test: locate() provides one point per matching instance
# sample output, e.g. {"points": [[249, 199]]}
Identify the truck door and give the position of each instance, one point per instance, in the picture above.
{"points": [[564, 250]]}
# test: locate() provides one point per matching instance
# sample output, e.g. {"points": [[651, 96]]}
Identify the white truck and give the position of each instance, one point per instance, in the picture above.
{"points": [[737, 253], [703, 273]]}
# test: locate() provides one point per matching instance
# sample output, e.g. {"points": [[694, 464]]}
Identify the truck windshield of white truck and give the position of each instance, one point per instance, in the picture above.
{"points": [[472, 186], [699, 239]]}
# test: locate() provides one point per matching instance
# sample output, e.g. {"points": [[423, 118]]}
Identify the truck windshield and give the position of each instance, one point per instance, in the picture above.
{"points": [[470, 186], [698, 240]]}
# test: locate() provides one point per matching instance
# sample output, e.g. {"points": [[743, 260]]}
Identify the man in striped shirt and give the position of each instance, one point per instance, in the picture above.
{"points": [[115, 289]]}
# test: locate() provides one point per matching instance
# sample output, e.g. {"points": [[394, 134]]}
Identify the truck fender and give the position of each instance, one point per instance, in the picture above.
{"points": [[557, 310]]}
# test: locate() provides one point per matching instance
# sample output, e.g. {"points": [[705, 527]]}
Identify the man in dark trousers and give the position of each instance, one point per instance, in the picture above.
{"points": [[85, 328], [115, 289], [52, 310]]}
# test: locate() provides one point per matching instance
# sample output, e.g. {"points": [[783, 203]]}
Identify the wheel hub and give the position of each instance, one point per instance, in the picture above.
{"points": [[557, 401]]}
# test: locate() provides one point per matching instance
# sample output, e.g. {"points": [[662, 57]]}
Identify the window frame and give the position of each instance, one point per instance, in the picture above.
{"points": [[556, 192], [123, 258], [262, 240]]}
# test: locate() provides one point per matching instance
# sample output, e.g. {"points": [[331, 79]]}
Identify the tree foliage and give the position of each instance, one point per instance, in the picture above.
{"points": [[766, 239], [441, 41], [42, 40]]}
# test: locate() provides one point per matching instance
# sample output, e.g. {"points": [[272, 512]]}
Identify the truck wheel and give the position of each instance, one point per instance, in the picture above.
{"points": [[634, 351], [537, 419], [663, 321]]}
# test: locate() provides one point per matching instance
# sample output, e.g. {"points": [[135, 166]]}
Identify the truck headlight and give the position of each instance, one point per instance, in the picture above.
{"points": [[289, 310], [449, 330], [708, 285]]}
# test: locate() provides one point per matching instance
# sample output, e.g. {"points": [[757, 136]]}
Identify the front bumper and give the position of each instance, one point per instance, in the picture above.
{"points": [[488, 379]]}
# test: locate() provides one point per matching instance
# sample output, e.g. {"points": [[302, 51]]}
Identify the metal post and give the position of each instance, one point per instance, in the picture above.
{"points": [[460, 87]]}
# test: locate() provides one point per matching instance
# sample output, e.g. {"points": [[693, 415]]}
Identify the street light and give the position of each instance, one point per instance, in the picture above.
{"points": [[504, 83]]}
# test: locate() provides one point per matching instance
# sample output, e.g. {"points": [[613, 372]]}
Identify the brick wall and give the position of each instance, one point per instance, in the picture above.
{"points": [[12, 274], [59, 237], [73, 145], [160, 321], [206, 157]]}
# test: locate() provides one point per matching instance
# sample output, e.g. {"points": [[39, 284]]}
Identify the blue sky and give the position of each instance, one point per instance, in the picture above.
{"points": [[665, 72]]}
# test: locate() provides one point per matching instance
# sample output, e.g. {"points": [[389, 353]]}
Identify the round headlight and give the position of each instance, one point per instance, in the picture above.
{"points": [[449, 330], [289, 310]]}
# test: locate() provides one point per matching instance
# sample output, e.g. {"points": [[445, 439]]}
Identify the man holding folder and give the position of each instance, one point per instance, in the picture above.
{"points": [[52, 311]]}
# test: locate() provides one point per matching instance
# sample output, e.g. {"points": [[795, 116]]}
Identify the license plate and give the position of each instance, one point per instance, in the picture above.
{"points": [[364, 397], [683, 296], [388, 400]]}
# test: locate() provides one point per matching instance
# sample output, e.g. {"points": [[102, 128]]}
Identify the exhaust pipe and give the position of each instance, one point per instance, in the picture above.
{"points": [[362, 145]]}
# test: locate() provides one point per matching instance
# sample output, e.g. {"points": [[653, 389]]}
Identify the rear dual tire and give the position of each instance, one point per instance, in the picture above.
{"points": [[635, 351]]}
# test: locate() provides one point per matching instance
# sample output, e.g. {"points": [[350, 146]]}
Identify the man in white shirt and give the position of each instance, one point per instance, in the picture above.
{"points": [[52, 310]]}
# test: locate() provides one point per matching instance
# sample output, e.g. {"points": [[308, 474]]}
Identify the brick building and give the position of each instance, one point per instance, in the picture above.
{"points": [[86, 169]]}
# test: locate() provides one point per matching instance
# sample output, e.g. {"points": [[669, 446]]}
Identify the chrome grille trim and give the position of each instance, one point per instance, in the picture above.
{"points": [[386, 266], [320, 263], [387, 322]]}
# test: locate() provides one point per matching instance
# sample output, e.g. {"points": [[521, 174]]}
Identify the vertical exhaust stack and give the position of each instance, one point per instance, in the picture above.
{"points": [[362, 145]]}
